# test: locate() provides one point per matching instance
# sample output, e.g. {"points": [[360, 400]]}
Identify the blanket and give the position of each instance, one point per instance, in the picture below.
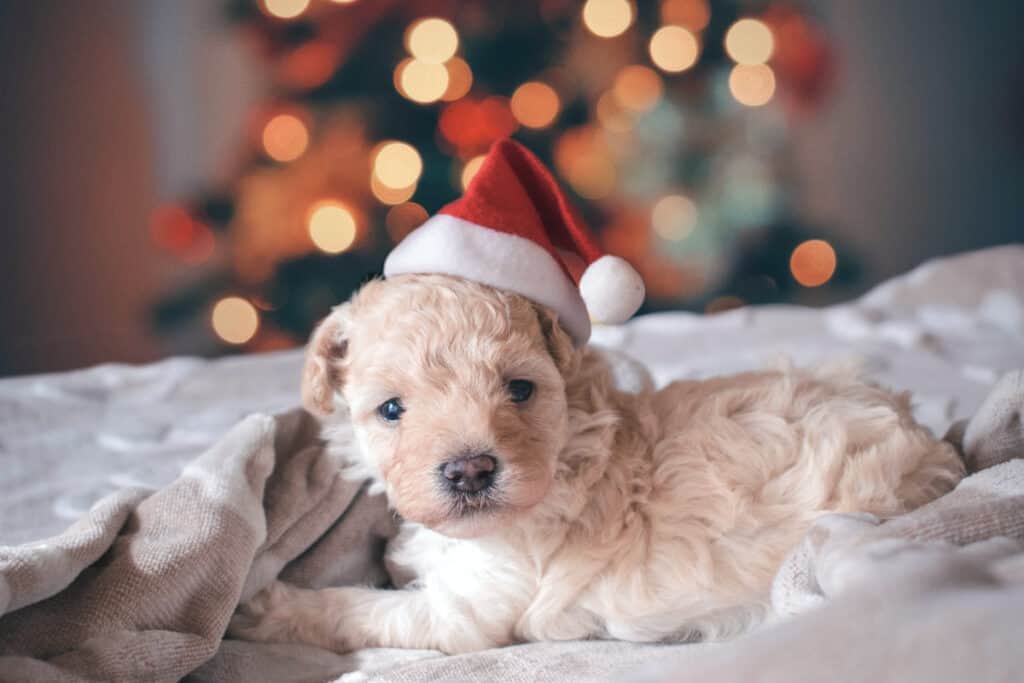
{"points": [[141, 587]]}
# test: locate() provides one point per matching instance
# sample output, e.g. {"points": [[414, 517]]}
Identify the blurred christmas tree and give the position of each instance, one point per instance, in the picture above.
{"points": [[669, 121]]}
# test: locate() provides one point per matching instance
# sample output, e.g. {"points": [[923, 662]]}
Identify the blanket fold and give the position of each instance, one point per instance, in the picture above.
{"points": [[143, 586]]}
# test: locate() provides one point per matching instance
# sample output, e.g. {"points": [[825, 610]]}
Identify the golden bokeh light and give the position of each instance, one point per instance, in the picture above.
{"points": [[397, 165], [813, 263], [391, 195], [674, 48], [607, 18], [535, 104], [749, 41], [460, 79], [674, 217], [752, 84], [235, 320], [693, 14], [285, 9], [421, 82], [403, 219], [470, 169], [432, 40], [285, 137], [637, 88], [332, 227]]}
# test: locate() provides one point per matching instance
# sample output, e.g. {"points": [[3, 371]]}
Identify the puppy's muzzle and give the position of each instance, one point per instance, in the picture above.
{"points": [[469, 473]]}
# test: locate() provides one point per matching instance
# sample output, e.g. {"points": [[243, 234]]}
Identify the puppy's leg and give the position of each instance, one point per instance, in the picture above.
{"points": [[348, 618]]}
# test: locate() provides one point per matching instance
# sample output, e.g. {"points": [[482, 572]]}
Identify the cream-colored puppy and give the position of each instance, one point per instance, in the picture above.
{"points": [[541, 503]]}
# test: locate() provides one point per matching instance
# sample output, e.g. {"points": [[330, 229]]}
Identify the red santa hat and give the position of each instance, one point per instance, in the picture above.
{"points": [[515, 230]]}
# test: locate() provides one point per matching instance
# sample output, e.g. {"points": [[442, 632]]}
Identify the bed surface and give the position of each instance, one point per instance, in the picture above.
{"points": [[946, 331]]}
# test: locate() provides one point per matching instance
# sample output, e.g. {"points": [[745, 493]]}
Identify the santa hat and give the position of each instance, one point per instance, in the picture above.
{"points": [[515, 230]]}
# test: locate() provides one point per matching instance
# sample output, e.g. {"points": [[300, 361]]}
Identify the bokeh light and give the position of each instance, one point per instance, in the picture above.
{"points": [[309, 65], [607, 18], [174, 229], [813, 263], [391, 195], [235, 320], [460, 79], [397, 165], [285, 137], [693, 14], [470, 169], [674, 217], [674, 49], [535, 104], [432, 40], [583, 158], [422, 82], [749, 41], [403, 219], [332, 227], [752, 84], [637, 88], [285, 9]]}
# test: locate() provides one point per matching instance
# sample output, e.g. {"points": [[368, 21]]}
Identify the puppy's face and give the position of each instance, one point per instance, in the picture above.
{"points": [[456, 393]]}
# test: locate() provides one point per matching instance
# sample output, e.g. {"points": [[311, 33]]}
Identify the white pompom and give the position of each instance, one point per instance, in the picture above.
{"points": [[612, 290]]}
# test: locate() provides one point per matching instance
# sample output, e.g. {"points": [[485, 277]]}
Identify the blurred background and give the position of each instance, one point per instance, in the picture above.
{"points": [[210, 176]]}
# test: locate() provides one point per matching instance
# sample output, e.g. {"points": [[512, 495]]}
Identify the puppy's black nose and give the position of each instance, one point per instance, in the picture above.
{"points": [[470, 473]]}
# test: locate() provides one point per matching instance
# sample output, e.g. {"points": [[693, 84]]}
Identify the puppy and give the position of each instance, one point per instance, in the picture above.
{"points": [[541, 503]]}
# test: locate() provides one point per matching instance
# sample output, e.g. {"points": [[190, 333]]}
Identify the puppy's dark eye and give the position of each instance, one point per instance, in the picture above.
{"points": [[520, 389], [391, 410]]}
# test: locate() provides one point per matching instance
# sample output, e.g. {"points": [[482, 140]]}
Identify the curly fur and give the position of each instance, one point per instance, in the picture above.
{"points": [[645, 517]]}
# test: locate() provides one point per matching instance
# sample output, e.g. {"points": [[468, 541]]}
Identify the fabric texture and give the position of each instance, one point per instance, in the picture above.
{"points": [[141, 586]]}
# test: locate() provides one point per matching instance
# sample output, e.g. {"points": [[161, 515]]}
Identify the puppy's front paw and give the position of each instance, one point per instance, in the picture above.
{"points": [[275, 614], [282, 613]]}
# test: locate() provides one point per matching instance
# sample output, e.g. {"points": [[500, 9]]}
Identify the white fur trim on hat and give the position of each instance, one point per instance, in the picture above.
{"points": [[612, 290], [448, 245]]}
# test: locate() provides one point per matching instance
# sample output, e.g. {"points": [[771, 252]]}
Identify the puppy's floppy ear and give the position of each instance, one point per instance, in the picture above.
{"points": [[558, 341], [322, 374]]}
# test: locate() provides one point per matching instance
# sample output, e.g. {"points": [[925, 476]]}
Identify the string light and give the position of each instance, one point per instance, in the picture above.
{"points": [[674, 49], [432, 40], [535, 104], [332, 227], [403, 219], [285, 137], [749, 41], [397, 165], [470, 169], [693, 14], [674, 217], [637, 88], [607, 18], [422, 82], [285, 9], [235, 320], [752, 84], [460, 79], [813, 263]]}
